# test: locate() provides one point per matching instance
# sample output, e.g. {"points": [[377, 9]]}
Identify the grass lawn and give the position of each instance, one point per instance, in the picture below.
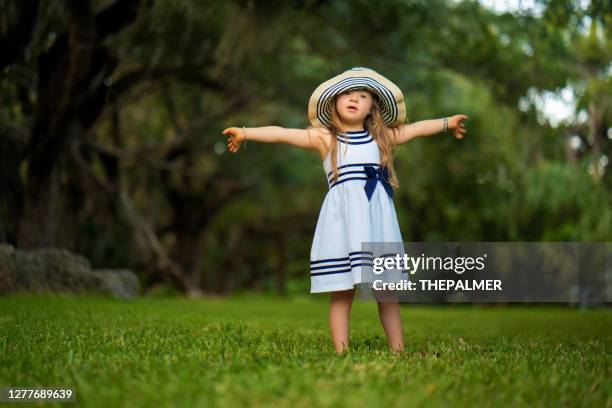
{"points": [[261, 350]]}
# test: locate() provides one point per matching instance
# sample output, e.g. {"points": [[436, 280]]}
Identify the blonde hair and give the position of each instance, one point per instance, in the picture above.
{"points": [[373, 123]]}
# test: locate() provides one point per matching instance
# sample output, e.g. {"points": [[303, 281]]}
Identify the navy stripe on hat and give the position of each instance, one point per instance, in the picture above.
{"points": [[388, 105], [388, 108], [393, 108]]}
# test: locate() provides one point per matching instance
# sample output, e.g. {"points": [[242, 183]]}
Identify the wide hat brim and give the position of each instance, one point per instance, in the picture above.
{"points": [[392, 104]]}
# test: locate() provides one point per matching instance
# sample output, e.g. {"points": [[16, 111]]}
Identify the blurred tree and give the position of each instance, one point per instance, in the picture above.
{"points": [[111, 141]]}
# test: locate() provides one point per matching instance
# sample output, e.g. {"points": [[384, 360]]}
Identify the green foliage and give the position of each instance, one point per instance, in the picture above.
{"points": [[199, 67]]}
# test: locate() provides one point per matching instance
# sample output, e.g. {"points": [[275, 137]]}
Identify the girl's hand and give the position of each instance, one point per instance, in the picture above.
{"points": [[456, 123], [237, 136]]}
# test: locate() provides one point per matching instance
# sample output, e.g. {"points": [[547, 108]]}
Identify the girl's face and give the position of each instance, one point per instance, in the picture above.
{"points": [[354, 106]]}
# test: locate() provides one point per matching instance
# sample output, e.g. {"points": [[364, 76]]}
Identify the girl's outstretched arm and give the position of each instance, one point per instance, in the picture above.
{"points": [[431, 127], [310, 139]]}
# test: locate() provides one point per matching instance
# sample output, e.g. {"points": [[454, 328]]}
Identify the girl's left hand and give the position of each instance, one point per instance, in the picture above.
{"points": [[456, 123]]}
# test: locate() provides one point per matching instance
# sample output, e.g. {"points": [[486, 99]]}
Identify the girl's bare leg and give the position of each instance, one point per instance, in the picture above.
{"points": [[389, 313], [339, 316]]}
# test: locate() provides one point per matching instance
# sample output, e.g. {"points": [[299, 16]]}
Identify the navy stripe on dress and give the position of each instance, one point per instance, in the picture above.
{"points": [[351, 134], [355, 137], [349, 174], [353, 165], [341, 265], [356, 143]]}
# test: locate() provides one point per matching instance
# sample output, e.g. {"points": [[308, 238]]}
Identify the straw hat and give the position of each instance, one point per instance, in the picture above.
{"points": [[393, 108]]}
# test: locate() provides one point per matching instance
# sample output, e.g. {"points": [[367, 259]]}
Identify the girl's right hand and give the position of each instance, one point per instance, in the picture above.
{"points": [[236, 137]]}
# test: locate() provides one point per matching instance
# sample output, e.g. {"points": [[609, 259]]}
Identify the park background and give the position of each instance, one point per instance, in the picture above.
{"points": [[112, 163]]}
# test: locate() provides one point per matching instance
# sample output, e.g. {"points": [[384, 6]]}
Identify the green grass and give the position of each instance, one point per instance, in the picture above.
{"points": [[262, 350]]}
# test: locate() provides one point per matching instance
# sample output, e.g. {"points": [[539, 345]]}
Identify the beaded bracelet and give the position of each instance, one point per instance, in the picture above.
{"points": [[245, 137], [445, 125]]}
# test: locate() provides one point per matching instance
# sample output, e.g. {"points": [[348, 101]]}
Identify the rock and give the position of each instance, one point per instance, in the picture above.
{"points": [[59, 270], [123, 283]]}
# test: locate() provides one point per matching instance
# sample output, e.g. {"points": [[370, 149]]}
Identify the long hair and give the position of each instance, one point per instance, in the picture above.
{"points": [[375, 124]]}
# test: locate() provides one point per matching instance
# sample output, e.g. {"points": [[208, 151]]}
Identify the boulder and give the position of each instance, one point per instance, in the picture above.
{"points": [[59, 270]]}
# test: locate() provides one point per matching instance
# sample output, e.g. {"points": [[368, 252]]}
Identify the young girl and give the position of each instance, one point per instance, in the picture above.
{"points": [[357, 120]]}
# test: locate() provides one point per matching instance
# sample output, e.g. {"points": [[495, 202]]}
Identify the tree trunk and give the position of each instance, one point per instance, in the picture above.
{"points": [[281, 267], [70, 96], [595, 124]]}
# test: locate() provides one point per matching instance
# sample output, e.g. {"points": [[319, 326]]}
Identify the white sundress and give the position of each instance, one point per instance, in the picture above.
{"points": [[349, 218]]}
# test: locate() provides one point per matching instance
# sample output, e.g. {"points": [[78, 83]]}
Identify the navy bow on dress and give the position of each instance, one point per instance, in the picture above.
{"points": [[374, 175]]}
